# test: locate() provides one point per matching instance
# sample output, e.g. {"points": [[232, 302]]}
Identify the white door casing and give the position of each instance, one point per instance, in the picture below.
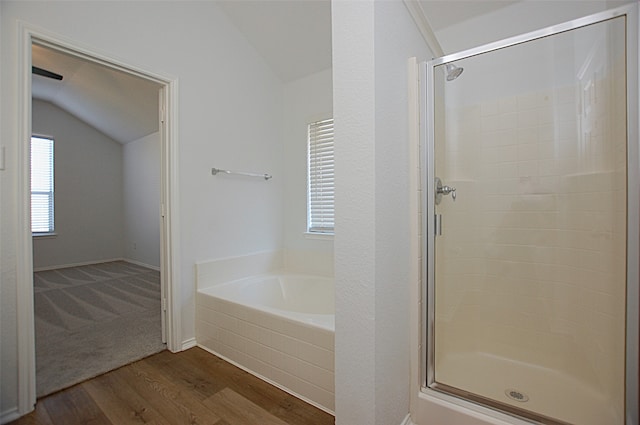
{"points": [[171, 329]]}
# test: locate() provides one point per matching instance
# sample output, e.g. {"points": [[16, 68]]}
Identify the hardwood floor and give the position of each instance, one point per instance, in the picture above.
{"points": [[190, 387]]}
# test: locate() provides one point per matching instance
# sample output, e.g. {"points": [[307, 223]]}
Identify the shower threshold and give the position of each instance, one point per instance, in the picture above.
{"points": [[523, 390]]}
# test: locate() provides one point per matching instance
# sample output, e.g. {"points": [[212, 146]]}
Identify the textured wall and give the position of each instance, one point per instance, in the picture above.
{"points": [[372, 42], [230, 116], [306, 100], [141, 181], [88, 191], [354, 243]]}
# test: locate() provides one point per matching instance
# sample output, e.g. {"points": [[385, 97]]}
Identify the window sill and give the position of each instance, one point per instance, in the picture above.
{"points": [[44, 235], [322, 236]]}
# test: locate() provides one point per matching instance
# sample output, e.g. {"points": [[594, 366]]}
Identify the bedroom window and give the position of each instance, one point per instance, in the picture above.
{"points": [[42, 222], [320, 191]]}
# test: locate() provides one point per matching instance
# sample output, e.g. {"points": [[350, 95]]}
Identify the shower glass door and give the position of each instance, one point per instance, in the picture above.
{"points": [[527, 184]]}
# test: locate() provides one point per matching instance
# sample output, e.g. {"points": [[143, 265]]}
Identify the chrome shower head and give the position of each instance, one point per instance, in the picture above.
{"points": [[453, 71]]}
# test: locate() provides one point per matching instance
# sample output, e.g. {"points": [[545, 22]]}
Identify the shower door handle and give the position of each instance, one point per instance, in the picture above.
{"points": [[437, 224], [444, 190]]}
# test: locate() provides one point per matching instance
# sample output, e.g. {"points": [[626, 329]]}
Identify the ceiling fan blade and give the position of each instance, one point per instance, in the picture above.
{"points": [[45, 73]]}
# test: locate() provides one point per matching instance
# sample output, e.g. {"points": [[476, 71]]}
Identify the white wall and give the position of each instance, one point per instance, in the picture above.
{"points": [[107, 197], [372, 42], [88, 191], [305, 100], [354, 115], [230, 116], [141, 182]]}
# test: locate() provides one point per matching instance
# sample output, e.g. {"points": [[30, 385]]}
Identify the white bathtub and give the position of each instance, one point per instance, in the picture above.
{"points": [[278, 327], [303, 298]]}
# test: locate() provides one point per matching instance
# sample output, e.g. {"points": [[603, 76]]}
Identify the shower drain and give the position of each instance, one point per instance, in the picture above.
{"points": [[516, 395]]}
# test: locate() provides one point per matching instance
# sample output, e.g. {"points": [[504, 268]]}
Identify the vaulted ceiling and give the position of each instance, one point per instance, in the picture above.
{"points": [[292, 36], [120, 105], [445, 13]]}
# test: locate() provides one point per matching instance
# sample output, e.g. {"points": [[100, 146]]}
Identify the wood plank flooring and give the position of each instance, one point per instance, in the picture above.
{"points": [[191, 387]]}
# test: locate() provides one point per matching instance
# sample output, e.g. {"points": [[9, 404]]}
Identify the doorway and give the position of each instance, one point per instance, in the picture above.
{"points": [[169, 310], [97, 259]]}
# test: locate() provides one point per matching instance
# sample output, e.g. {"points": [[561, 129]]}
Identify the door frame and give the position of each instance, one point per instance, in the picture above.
{"points": [[169, 253], [427, 140]]}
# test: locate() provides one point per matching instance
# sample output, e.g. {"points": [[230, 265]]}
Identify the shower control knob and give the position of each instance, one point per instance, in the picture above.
{"points": [[444, 190]]}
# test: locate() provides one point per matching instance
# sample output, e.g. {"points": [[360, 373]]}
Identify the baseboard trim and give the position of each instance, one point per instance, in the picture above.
{"points": [[85, 263], [407, 420], [9, 415], [89, 263], [140, 263], [189, 343]]}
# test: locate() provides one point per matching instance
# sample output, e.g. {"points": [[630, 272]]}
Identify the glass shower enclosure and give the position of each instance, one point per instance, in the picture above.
{"points": [[531, 201]]}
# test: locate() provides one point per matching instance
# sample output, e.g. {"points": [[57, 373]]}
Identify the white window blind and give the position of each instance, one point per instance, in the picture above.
{"points": [[321, 177], [41, 185]]}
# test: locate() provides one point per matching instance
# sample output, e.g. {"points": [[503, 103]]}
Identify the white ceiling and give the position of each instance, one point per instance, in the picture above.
{"points": [[120, 105], [293, 37], [445, 13]]}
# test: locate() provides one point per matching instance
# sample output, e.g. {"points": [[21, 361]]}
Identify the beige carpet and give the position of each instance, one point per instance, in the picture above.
{"points": [[92, 319]]}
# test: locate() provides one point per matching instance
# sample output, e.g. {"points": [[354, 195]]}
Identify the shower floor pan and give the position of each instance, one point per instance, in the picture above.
{"points": [[533, 388]]}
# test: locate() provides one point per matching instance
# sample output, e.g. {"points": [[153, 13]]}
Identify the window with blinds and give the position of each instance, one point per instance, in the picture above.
{"points": [[320, 204], [42, 185]]}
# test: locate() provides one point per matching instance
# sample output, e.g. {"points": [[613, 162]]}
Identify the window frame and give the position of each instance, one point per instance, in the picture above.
{"points": [[50, 193], [320, 158]]}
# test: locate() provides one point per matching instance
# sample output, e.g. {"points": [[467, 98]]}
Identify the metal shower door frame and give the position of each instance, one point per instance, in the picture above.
{"points": [[427, 139]]}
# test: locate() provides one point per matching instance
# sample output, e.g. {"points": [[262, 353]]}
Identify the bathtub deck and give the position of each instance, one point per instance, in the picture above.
{"points": [[191, 387]]}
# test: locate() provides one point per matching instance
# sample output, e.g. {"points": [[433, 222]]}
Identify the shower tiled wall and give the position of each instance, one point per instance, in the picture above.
{"points": [[532, 254]]}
